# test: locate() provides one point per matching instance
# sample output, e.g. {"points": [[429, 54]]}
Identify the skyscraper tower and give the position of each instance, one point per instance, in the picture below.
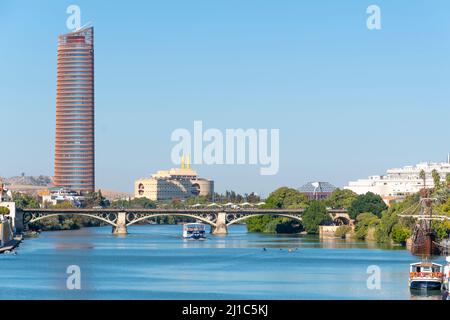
{"points": [[75, 148]]}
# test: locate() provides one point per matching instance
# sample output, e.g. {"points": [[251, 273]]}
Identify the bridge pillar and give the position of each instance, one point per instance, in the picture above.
{"points": [[121, 228], [221, 224], [18, 222]]}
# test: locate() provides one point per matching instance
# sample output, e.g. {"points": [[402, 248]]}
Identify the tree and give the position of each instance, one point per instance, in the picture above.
{"points": [[136, 203], [288, 226], [314, 216], [400, 233], [368, 202], [95, 199], [194, 200], [436, 179], [445, 207], [423, 176], [25, 201], [447, 180], [253, 198], [385, 229], [442, 228], [441, 194], [286, 198], [281, 198], [259, 223], [342, 231], [4, 211], [63, 205], [144, 203], [341, 199], [364, 221]]}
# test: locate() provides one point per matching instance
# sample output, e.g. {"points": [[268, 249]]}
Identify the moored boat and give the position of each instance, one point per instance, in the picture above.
{"points": [[194, 231], [425, 275]]}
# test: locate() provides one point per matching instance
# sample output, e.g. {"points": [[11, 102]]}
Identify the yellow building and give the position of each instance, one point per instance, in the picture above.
{"points": [[178, 183]]}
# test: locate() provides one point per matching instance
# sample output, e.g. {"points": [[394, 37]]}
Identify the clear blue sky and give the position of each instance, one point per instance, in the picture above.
{"points": [[349, 102]]}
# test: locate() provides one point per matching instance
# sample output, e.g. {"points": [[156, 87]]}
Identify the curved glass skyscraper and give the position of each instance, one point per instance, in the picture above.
{"points": [[74, 148]]}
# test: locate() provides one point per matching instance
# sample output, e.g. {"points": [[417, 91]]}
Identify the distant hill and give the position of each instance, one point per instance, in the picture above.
{"points": [[39, 181], [114, 195], [33, 184], [28, 184]]}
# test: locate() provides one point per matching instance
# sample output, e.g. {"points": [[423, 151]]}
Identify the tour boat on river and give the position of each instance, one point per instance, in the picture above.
{"points": [[426, 275], [194, 231]]}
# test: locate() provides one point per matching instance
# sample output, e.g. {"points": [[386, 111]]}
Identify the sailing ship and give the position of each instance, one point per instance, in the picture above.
{"points": [[424, 237]]}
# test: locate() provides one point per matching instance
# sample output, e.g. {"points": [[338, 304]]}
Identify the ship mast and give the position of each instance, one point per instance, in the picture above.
{"points": [[423, 236]]}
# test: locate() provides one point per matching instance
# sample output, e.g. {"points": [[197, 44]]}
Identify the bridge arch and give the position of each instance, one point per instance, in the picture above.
{"points": [[42, 217], [293, 217], [341, 221], [145, 217]]}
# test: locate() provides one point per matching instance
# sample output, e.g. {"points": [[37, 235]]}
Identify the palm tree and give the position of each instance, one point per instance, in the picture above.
{"points": [[423, 176], [436, 179]]}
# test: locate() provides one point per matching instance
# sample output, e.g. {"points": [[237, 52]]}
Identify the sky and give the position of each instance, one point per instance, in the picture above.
{"points": [[349, 102]]}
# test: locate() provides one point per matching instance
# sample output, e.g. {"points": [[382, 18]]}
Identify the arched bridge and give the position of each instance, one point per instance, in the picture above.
{"points": [[218, 219]]}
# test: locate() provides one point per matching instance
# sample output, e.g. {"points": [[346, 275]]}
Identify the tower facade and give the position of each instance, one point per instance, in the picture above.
{"points": [[75, 144]]}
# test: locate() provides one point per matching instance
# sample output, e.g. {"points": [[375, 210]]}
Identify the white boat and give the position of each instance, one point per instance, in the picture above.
{"points": [[425, 275], [194, 231]]}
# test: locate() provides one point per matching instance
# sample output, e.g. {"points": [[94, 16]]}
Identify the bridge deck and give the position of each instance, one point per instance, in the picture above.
{"points": [[174, 211]]}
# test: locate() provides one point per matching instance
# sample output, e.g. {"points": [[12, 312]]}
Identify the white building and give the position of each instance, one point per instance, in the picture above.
{"points": [[6, 201], [58, 195], [399, 182], [178, 183]]}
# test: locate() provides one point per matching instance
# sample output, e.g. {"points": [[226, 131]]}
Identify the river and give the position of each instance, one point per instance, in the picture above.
{"points": [[154, 262]]}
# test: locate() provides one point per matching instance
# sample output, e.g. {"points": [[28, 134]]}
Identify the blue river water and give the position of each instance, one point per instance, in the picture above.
{"points": [[154, 262]]}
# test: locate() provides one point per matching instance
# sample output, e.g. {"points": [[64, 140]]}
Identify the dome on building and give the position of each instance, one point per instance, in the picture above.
{"points": [[317, 190], [317, 187]]}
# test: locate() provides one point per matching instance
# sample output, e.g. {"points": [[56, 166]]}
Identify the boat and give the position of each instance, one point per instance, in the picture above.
{"points": [[194, 231], [424, 237], [425, 275]]}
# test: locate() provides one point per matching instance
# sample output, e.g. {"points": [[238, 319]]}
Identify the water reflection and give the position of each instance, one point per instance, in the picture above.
{"points": [[424, 294], [65, 246], [154, 262]]}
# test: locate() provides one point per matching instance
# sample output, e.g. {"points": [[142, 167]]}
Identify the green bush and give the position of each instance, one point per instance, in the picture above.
{"points": [[261, 223], [363, 222], [442, 228], [281, 198], [288, 226], [342, 231], [384, 229], [315, 215], [286, 198], [368, 202], [341, 199], [400, 233]]}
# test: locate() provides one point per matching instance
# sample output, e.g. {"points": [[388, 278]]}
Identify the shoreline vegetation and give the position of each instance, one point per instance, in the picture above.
{"points": [[373, 219]]}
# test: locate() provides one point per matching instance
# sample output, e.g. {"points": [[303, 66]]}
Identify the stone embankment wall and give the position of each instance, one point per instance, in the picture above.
{"points": [[6, 232]]}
